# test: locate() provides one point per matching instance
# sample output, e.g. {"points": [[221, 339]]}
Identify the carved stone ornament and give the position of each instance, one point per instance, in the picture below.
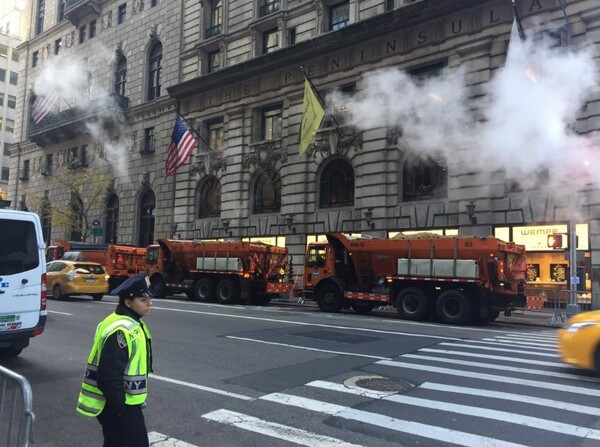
{"points": [[209, 163], [265, 155], [154, 32], [145, 181], [393, 135], [338, 140]]}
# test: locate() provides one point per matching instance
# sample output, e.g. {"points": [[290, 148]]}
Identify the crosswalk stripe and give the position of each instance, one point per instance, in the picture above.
{"points": [[539, 341], [532, 336], [556, 404], [518, 343], [499, 349], [159, 440], [502, 367], [413, 428], [493, 378], [279, 431], [526, 341], [491, 341], [513, 418], [492, 357]]}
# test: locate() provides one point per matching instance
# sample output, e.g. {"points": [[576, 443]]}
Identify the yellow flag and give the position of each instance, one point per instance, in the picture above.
{"points": [[311, 117]]}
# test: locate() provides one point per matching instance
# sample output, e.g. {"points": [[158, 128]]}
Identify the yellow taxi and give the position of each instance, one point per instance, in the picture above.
{"points": [[579, 340], [65, 278]]}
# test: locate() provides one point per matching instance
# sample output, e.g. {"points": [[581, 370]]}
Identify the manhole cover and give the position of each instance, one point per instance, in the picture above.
{"points": [[378, 383]]}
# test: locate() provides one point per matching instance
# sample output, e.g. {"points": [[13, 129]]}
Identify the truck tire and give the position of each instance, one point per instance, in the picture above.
{"points": [[329, 298], [158, 286], [227, 292], [412, 304], [452, 307], [204, 290]]}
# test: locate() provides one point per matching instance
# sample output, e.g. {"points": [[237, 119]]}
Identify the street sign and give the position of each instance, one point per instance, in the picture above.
{"points": [[96, 223], [96, 231]]}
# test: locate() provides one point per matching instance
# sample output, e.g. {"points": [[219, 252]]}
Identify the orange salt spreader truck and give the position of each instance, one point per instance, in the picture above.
{"points": [[454, 279], [226, 272]]}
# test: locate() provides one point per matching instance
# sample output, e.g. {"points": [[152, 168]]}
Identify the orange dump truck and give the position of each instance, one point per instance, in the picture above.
{"points": [[227, 272], [457, 280], [119, 261]]}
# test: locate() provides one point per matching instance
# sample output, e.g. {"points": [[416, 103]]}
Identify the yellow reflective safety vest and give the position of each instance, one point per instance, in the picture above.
{"points": [[91, 399]]}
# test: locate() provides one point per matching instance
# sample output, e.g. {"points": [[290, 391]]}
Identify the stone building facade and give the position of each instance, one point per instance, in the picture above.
{"points": [[232, 69]]}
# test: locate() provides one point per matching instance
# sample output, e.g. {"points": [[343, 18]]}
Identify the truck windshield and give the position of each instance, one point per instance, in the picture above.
{"points": [[152, 256], [316, 257]]}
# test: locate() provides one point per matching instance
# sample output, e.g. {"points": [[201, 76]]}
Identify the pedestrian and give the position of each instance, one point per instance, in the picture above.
{"points": [[114, 387]]}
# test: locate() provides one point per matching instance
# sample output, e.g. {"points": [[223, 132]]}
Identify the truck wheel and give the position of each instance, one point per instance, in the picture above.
{"points": [[227, 292], [56, 293], [97, 296], [329, 298], [158, 286], [453, 307], [412, 304], [362, 309], [204, 290]]}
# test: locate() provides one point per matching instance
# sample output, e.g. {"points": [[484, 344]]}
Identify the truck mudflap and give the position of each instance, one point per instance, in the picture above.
{"points": [[279, 287]]}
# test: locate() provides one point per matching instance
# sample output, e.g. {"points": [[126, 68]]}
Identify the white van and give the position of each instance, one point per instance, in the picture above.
{"points": [[22, 280]]}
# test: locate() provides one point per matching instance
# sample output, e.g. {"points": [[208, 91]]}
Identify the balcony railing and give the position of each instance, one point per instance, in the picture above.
{"points": [[212, 31], [70, 123], [268, 8], [75, 10]]}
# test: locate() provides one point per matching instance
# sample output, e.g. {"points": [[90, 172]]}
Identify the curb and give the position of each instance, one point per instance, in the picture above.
{"points": [[530, 318]]}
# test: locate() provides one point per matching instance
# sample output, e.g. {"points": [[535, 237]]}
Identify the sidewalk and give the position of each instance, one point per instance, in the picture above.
{"points": [[543, 317]]}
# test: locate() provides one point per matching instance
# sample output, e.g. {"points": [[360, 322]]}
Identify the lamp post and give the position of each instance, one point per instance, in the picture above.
{"points": [[573, 307]]}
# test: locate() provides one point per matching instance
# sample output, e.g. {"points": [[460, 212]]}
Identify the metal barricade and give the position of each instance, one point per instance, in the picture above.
{"points": [[584, 299], [16, 409], [544, 299]]}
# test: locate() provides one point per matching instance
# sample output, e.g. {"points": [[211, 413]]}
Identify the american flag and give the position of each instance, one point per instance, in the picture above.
{"points": [[44, 105], [182, 145]]}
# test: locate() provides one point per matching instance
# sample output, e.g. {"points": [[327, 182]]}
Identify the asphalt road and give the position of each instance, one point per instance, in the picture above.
{"points": [[284, 375]]}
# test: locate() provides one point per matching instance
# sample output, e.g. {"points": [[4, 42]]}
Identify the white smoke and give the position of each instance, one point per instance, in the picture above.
{"points": [[79, 84], [521, 121]]}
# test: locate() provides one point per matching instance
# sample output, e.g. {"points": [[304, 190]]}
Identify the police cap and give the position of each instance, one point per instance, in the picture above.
{"points": [[136, 286]]}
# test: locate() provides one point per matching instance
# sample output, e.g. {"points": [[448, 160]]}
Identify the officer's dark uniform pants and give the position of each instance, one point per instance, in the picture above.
{"points": [[127, 429]]}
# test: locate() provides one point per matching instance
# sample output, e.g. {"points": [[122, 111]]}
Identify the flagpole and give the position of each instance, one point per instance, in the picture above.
{"points": [[317, 93], [519, 25], [200, 137]]}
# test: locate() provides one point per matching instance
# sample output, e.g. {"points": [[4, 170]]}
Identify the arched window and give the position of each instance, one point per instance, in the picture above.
{"points": [[147, 213], [208, 198], [267, 193], [336, 187], [424, 180], [121, 76], [76, 217], [112, 219], [154, 68]]}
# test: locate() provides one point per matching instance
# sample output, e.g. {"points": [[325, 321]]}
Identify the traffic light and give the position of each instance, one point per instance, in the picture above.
{"points": [[555, 240]]}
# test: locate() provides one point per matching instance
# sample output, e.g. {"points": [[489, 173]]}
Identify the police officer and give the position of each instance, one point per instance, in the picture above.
{"points": [[114, 387]]}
